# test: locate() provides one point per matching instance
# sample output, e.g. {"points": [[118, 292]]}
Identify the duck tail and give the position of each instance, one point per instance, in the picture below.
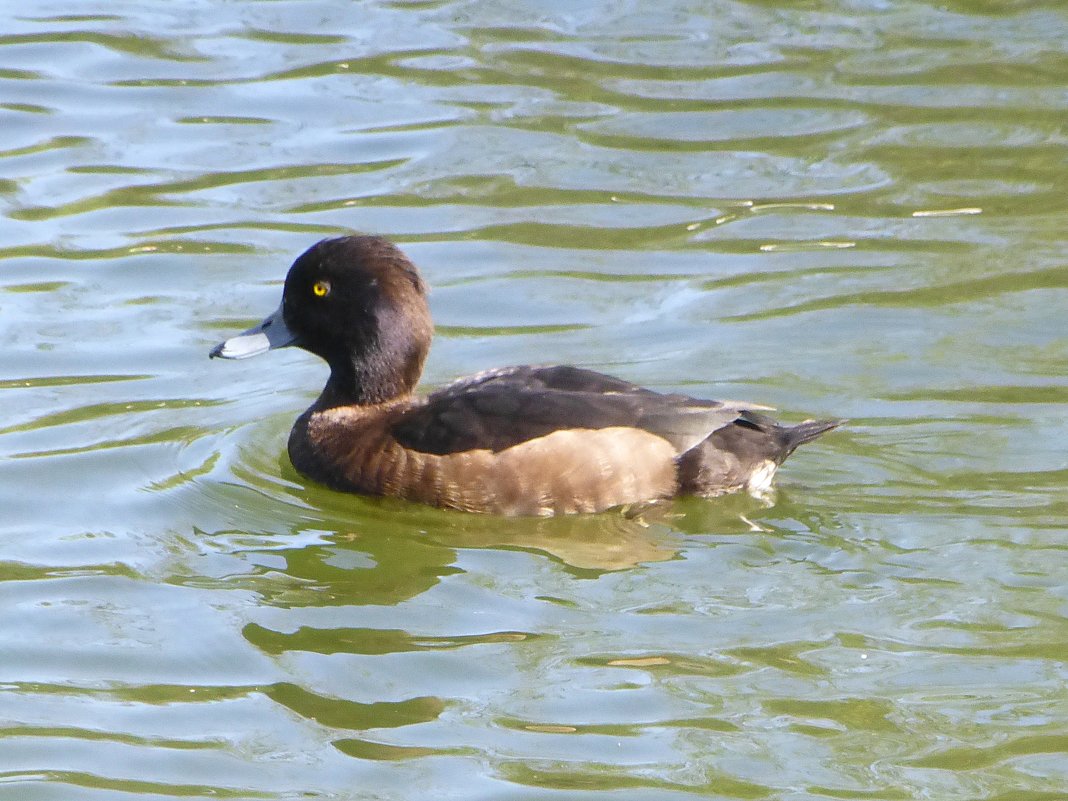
{"points": [[798, 435]]}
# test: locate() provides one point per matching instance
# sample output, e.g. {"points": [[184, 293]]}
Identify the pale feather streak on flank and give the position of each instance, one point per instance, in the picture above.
{"points": [[760, 479]]}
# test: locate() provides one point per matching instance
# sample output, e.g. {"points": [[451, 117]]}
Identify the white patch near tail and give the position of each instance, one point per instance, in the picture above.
{"points": [[759, 481]]}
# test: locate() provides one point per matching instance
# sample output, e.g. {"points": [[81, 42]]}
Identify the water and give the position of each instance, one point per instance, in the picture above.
{"points": [[842, 208]]}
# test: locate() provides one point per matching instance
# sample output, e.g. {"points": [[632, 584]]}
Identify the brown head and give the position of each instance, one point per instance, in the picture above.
{"points": [[358, 303]]}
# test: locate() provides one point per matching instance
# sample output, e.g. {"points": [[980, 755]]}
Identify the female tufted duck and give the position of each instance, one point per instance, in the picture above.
{"points": [[514, 441]]}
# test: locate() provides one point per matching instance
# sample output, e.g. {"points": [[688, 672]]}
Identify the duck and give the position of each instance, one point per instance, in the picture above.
{"points": [[527, 440]]}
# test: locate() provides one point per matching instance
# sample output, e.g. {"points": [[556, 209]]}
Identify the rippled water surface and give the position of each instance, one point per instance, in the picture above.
{"points": [[841, 208]]}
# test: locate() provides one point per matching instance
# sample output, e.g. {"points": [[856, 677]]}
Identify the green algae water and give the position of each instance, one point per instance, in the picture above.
{"points": [[847, 208]]}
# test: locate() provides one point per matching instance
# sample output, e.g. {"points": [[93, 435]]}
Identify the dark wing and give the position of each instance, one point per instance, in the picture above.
{"points": [[501, 408], [561, 377]]}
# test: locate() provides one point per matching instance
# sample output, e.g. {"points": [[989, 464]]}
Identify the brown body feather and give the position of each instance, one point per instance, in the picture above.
{"points": [[566, 471]]}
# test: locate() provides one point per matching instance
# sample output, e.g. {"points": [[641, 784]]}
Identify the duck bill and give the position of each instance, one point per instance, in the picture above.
{"points": [[270, 334]]}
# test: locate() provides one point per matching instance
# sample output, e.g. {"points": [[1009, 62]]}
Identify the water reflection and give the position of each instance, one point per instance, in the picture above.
{"points": [[379, 551]]}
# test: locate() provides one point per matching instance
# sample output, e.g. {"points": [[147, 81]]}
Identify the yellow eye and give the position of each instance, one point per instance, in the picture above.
{"points": [[321, 289]]}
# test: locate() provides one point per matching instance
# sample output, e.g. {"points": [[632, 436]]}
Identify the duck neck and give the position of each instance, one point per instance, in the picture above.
{"points": [[350, 388], [383, 366]]}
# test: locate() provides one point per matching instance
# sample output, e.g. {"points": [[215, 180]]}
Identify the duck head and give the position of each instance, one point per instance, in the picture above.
{"points": [[358, 303]]}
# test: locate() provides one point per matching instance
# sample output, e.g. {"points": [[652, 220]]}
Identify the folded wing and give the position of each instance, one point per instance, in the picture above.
{"points": [[498, 409]]}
